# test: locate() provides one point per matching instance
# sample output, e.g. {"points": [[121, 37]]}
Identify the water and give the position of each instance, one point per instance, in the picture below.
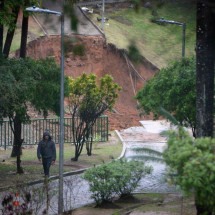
{"points": [[156, 181]]}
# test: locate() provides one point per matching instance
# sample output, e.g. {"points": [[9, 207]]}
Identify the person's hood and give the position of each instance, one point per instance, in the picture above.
{"points": [[46, 133]]}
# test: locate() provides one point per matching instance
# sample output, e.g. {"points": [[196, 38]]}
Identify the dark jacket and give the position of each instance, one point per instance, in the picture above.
{"points": [[46, 148]]}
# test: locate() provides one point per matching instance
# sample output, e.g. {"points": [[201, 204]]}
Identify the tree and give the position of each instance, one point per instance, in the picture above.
{"points": [[9, 11], [27, 82], [192, 161], [205, 52], [1, 27], [173, 88], [87, 102], [24, 32]]}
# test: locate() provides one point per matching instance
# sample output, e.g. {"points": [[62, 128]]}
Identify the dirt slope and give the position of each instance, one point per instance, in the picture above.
{"points": [[100, 59]]}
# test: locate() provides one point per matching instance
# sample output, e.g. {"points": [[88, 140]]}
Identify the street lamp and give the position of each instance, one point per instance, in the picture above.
{"points": [[61, 142], [162, 20], [103, 14]]}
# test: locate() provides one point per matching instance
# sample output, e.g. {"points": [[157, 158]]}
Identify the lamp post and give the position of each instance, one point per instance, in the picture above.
{"points": [[103, 14], [61, 148], [162, 20]]}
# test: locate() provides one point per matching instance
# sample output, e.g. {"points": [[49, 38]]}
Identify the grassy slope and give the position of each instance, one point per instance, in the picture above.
{"points": [[158, 43]]}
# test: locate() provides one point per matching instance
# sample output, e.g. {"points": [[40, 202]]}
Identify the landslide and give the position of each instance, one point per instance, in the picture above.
{"points": [[100, 58]]}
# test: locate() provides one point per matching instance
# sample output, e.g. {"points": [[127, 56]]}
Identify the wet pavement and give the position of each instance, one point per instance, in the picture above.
{"points": [[148, 136]]}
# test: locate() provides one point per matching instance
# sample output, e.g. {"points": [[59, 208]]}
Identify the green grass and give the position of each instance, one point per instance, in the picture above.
{"points": [[102, 152], [158, 43]]}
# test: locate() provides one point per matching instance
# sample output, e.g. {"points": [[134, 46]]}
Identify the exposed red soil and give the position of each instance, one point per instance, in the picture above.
{"points": [[100, 58]]}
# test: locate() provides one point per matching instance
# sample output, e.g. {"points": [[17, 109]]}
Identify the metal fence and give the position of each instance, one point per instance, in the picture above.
{"points": [[33, 132], [94, 2]]}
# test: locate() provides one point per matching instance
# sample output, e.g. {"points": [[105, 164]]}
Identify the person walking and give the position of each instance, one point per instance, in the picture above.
{"points": [[47, 151]]}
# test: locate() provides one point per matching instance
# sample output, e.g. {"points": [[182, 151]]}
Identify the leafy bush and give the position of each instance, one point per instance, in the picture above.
{"points": [[193, 162], [134, 53], [117, 178], [78, 50]]}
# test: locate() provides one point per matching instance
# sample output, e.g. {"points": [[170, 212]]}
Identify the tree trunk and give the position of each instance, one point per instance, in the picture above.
{"points": [[76, 155], [24, 36], [74, 134], [1, 28], [79, 137], [78, 146], [10, 34], [205, 52], [16, 152], [1, 37], [202, 209], [89, 141]]}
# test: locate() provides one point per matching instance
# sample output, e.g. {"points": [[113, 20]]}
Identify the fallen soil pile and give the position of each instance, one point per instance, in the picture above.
{"points": [[100, 58]]}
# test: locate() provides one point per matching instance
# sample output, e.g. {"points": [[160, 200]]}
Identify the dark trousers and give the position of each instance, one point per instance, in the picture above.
{"points": [[46, 165]]}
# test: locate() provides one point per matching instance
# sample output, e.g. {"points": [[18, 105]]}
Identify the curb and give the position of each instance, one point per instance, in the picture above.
{"points": [[123, 143]]}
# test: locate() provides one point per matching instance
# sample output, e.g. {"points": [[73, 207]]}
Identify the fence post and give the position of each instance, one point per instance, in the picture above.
{"points": [[5, 144], [107, 128]]}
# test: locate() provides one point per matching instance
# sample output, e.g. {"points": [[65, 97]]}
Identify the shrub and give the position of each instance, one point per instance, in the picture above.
{"points": [[193, 162], [134, 53], [78, 50], [117, 178]]}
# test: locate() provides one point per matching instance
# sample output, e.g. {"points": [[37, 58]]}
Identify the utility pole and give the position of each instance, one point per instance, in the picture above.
{"points": [[103, 14], [35, 9]]}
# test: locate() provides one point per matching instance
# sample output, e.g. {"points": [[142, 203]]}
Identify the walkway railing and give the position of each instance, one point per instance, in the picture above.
{"points": [[32, 132]]}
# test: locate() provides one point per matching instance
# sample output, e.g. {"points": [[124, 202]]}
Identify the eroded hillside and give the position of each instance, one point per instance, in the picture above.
{"points": [[100, 58]]}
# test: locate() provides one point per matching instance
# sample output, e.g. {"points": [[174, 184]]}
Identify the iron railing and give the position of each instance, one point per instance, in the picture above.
{"points": [[33, 131]]}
